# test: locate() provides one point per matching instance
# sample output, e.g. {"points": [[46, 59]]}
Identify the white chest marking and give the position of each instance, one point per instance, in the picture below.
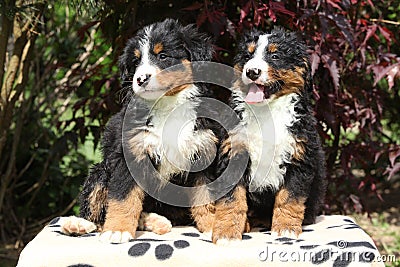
{"points": [[173, 138], [270, 142]]}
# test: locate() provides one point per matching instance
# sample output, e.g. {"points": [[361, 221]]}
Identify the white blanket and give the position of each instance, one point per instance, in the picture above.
{"points": [[333, 241]]}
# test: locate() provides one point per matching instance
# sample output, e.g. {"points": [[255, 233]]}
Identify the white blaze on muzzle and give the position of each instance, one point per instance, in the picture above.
{"points": [[255, 72], [144, 82]]}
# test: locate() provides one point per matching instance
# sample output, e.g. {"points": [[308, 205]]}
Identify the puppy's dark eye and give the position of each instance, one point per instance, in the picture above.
{"points": [[275, 56], [247, 56], [162, 56]]}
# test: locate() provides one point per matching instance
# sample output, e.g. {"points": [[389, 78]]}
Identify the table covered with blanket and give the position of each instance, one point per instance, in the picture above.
{"points": [[333, 241]]}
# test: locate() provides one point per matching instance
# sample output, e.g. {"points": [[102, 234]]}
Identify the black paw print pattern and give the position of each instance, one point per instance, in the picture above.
{"points": [[166, 249], [162, 251]]}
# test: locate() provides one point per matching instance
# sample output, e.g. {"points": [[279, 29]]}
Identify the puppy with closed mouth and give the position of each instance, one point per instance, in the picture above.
{"points": [[156, 69], [285, 175]]}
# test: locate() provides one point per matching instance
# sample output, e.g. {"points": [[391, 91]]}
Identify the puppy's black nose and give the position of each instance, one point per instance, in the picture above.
{"points": [[142, 79], [253, 73]]}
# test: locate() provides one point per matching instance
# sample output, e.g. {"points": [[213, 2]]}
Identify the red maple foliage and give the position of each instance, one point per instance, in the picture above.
{"points": [[354, 54]]}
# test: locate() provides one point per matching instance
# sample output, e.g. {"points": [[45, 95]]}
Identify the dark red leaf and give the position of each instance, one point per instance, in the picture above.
{"points": [[392, 74], [245, 10], [330, 64], [378, 155], [230, 27], [334, 3], [201, 18], [272, 15], [258, 16], [343, 24], [315, 59], [361, 185], [370, 32], [373, 187], [393, 171], [371, 3], [387, 34], [279, 7], [193, 7], [324, 25], [393, 155]]}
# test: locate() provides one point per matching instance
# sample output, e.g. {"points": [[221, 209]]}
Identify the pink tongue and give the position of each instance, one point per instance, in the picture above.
{"points": [[255, 94]]}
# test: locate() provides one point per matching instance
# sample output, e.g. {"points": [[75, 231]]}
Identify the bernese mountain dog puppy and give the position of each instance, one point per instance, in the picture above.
{"points": [[144, 132], [285, 176]]}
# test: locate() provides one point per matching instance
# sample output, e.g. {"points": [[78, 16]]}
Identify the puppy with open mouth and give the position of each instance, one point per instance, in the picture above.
{"points": [[285, 176]]}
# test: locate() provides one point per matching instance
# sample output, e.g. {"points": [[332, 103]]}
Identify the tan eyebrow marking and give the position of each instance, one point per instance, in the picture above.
{"points": [[158, 47], [251, 47], [137, 53], [273, 48]]}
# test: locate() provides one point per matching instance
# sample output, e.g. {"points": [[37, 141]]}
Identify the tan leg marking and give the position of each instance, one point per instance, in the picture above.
{"points": [[203, 215], [123, 216], [97, 202], [231, 217], [288, 214]]}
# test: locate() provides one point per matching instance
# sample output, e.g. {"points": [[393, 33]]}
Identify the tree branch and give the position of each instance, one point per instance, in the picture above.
{"points": [[6, 25]]}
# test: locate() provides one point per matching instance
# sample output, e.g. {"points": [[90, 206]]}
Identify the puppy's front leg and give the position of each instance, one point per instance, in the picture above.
{"points": [[122, 217], [230, 217], [203, 210], [288, 214]]}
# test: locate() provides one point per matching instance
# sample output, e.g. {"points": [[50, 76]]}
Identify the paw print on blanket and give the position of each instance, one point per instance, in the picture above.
{"points": [[161, 252], [164, 249]]}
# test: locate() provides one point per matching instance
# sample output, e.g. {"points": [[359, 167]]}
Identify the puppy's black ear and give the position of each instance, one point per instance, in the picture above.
{"points": [[126, 62], [308, 86], [301, 48], [198, 45], [251, 36], [123, 69], [248, 37]]}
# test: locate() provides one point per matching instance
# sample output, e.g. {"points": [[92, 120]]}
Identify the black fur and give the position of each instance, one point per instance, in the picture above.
{"points": [[179, 43], [305, 177]]}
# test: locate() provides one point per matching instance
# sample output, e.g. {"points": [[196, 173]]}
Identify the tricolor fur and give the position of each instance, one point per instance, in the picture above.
{"points": [[111, 197], [285, 178]]}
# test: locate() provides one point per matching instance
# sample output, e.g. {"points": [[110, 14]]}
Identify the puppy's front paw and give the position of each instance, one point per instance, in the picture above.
{"points": [[156, 223], [286, 230], [226, 236], [228, 242], [115, 237], [76, 225]]}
